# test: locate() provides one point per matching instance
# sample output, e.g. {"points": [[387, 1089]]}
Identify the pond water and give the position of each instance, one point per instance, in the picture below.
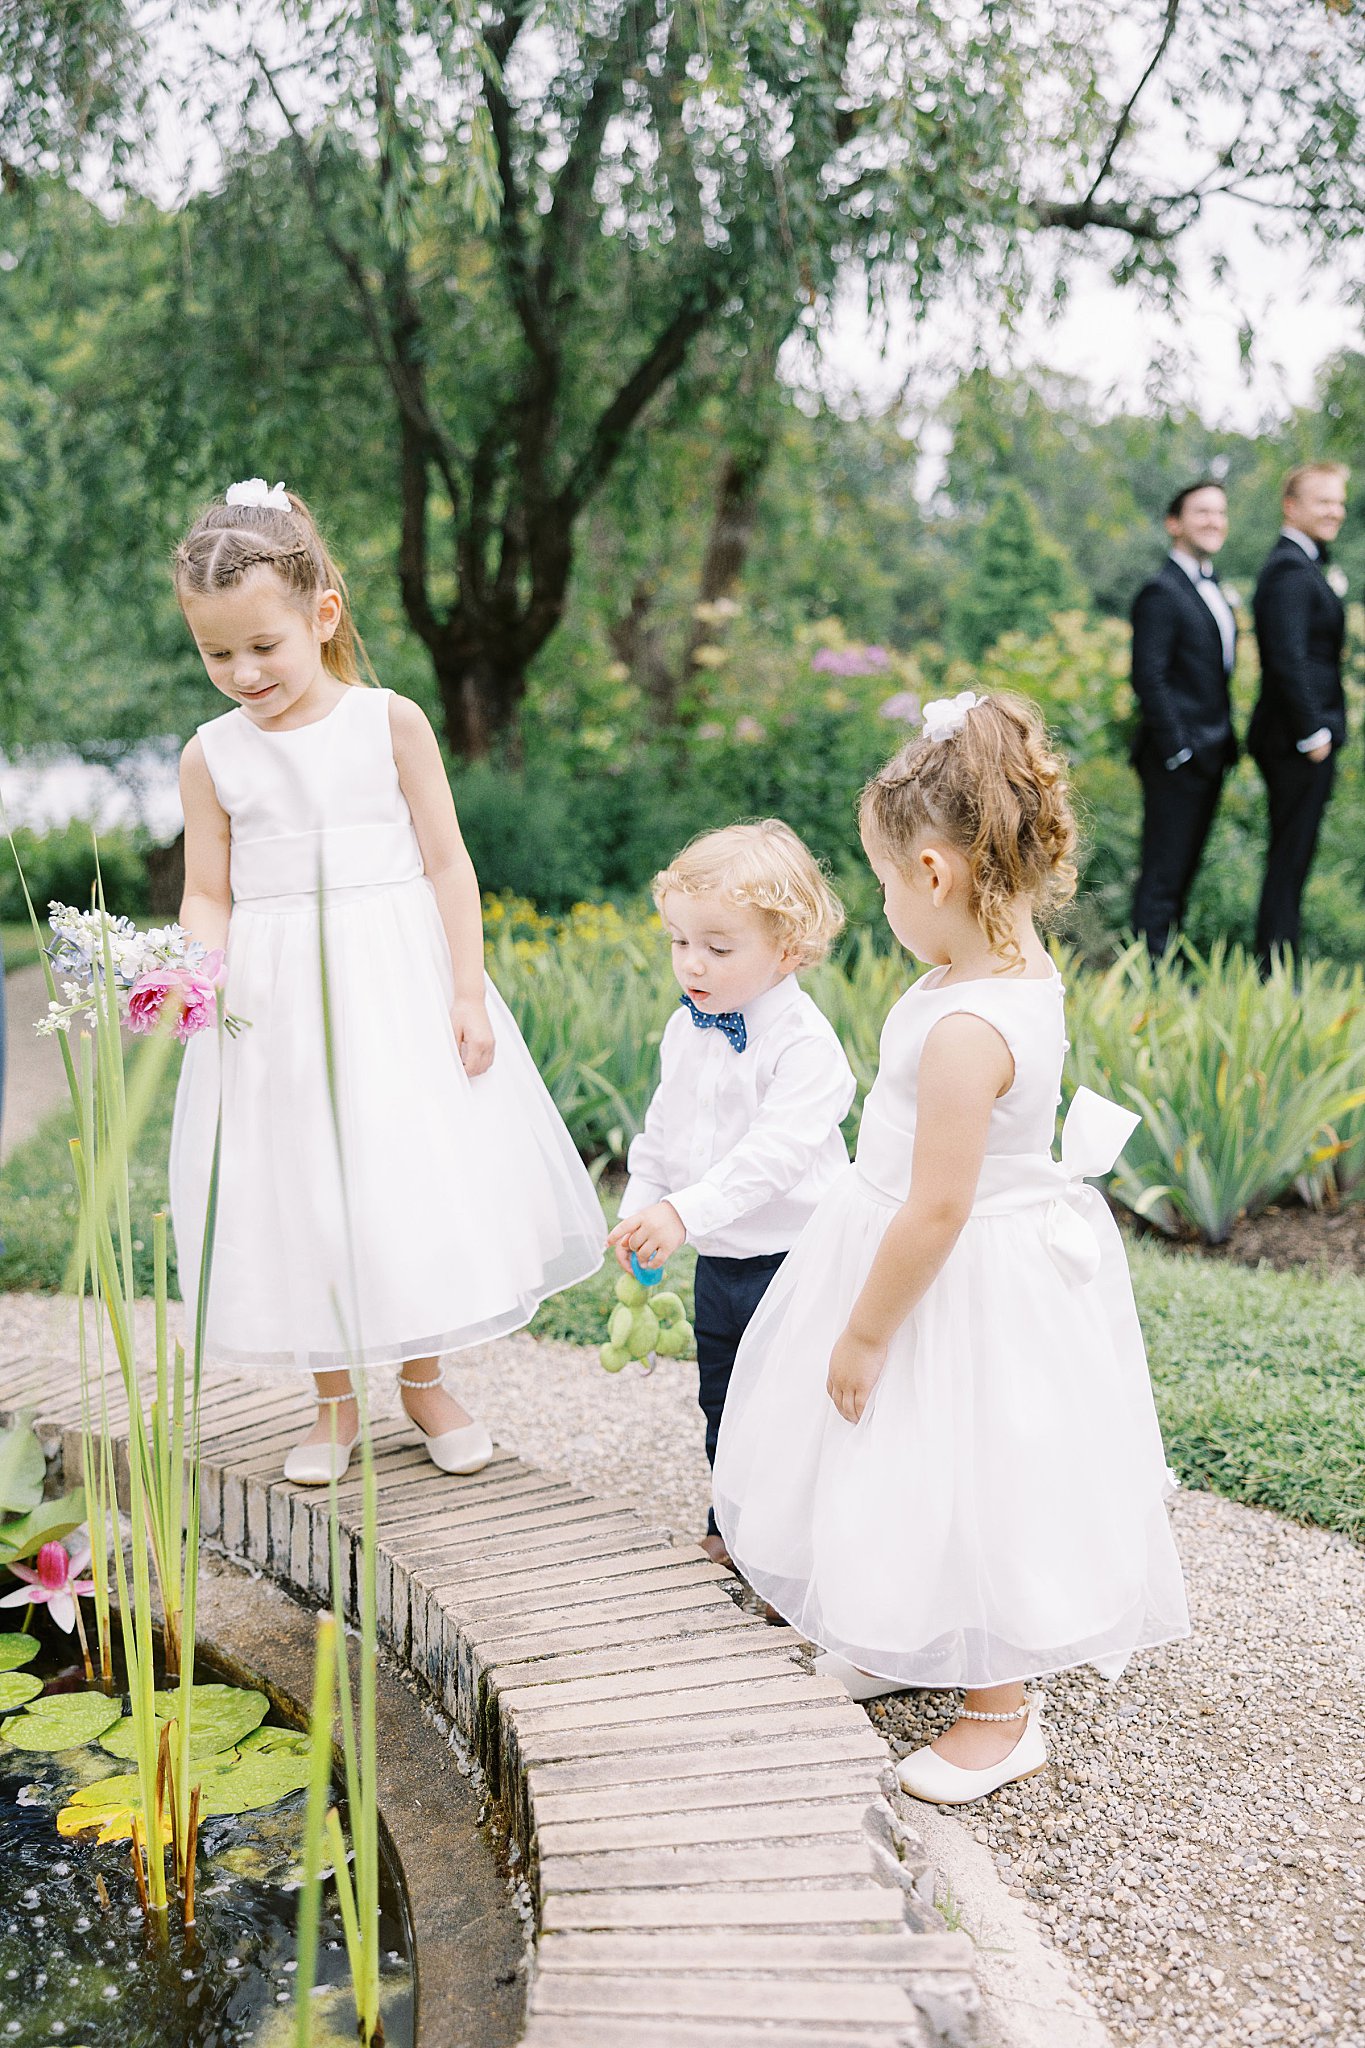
{"points": [[77, 1972]]}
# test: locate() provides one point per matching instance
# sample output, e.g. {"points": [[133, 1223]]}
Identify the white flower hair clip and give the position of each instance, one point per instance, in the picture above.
{"points": [[256, 491], [947, 715]]}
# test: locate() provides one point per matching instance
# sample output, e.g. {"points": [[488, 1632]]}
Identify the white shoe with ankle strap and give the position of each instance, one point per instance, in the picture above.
{"points": [[927, 1775], [460, 1451], [322, 1460]]}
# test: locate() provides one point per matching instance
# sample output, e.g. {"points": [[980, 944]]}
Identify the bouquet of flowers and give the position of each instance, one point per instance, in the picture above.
{"points": [[149, 971]]}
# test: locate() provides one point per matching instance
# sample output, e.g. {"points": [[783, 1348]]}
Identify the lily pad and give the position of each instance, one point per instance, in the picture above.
{"points": [[17, 1688], [17, 1649], [221, 1716], [276, 1742], [64, 1720], [228, 1784]]}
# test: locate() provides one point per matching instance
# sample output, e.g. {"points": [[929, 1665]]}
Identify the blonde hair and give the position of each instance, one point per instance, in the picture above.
{"points": [[1303, 470], [227, 542], [762, 866], [997, 792]]}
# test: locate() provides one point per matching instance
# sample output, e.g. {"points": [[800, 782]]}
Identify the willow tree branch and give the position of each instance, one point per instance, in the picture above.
{"points": [[1125, 119]]}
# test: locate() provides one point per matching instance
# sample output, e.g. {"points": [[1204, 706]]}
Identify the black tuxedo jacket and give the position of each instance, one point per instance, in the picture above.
{"points": [[1178, 675], [1300, 626]]}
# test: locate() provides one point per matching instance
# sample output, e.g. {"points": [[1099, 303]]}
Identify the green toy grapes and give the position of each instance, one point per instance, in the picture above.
{"points": [[645, 1325]]}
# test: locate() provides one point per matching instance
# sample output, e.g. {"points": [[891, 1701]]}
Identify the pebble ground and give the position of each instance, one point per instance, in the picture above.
{"points": [[1198, 1848]]}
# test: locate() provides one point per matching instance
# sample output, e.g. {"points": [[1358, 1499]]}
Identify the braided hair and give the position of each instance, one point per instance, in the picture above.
{"points": [[998, 793], [228, 542]]}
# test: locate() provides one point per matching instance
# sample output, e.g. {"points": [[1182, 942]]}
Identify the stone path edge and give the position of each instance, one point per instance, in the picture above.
{"points": [[705, 1825]]}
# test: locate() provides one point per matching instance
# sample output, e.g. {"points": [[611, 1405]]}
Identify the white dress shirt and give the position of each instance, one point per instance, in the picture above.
{"points": [[1310, 548], [1213, 597], [744, 1144]]}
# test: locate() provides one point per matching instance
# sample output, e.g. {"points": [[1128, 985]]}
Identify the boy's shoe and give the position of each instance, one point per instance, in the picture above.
{"points": [[929, 1776]]}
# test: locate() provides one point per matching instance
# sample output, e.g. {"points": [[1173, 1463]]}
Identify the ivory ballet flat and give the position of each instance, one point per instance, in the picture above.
{"points": [[319, 1463], [859, 1685], [463, 1450], [927, 1775]]}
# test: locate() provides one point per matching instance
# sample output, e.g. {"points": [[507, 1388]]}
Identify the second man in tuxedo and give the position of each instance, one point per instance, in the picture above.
{"points": [[1184, 647], [1299, 724]]}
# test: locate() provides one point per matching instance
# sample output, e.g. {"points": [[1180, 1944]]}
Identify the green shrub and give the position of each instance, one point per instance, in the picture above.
{"points": [[1240, 1083], [59, 866]]}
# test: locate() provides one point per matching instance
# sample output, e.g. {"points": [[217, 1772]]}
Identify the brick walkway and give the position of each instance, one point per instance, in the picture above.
{"points": [[713, 1859]]}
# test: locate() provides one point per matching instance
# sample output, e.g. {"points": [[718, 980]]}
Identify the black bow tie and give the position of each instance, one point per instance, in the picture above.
{"points": [[1207, 573], [1324, 555]]}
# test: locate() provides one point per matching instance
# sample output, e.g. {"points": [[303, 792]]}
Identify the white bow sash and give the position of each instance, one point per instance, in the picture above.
{"points": [[1093, 1135]]}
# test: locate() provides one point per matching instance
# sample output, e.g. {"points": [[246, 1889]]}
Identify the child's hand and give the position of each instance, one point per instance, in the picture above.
{"points": [[473, 1035], [855, 1366], [653, 1234]]}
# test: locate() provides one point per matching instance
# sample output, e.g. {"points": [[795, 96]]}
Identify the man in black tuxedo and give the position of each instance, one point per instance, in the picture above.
{"points": [[1299, 723], [1184, 647]]}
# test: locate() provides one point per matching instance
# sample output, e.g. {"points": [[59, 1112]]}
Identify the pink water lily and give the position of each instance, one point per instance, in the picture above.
{"points": [[55, 1583]]}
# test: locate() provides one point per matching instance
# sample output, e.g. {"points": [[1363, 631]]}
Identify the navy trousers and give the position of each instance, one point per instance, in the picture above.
{"points": [[727, 1292]]}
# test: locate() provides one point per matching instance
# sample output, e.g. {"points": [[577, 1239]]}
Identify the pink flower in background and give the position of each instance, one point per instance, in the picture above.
{"points": [[192, 990], [905, 704], [55, 1584], [850, 661]]}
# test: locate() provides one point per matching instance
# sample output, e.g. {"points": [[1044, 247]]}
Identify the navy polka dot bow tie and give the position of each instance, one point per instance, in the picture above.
{"points": [[730, 1023]]}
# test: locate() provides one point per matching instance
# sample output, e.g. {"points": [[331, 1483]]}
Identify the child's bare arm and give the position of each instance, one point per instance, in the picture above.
{"points": [[206, 905], [965, 1066], [445, 858]]}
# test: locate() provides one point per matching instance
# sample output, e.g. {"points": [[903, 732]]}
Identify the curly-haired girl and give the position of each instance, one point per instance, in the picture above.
{"points": [[939, 1457]]}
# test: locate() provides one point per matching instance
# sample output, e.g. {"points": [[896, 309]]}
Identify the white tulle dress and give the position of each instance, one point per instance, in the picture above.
{"points": [[998, 1511], [450, 1207]]}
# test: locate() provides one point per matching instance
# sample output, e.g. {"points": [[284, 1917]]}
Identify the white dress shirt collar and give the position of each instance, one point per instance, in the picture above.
{"points": [[1310, 547], [761, 1012], [1191, 564]]}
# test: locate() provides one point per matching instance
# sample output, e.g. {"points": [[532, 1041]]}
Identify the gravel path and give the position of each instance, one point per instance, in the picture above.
{"points": [[35, 1080], [1198, 1850]]}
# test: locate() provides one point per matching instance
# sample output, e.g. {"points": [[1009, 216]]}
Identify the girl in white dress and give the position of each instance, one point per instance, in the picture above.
{"points": [[428, 1197], [940, 1458]]}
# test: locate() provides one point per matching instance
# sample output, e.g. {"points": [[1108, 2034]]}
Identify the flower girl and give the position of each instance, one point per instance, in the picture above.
{"points": [[939, 1457], [395, 1181]]}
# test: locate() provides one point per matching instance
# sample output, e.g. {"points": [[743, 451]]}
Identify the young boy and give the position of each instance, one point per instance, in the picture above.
{"points": [[742, 1136]]}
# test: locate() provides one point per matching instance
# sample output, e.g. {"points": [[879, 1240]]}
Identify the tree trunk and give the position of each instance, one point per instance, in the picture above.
{"points": [[481, 688], [738, 493]]}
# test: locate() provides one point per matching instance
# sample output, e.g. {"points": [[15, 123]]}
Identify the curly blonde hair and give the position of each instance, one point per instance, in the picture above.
{"points": [[998, 793], [227, 542], [761, 865]]}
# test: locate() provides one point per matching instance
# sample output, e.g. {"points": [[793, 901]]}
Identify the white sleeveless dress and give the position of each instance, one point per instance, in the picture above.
{"points": [[998, 1510], [434, 1211]]}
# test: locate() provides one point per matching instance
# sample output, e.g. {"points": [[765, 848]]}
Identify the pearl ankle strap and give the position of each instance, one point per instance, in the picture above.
{"points": [[404, 1381], [1019, 1713], [333, 1400]]}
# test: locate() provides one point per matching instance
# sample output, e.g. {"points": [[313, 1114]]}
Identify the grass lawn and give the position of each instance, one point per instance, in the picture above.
{"points": [[1259, 1376], [18, 947]]}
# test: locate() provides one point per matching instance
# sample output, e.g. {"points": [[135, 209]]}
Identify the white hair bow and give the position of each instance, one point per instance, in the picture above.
{"points": [[256, 491], [947, 715]]}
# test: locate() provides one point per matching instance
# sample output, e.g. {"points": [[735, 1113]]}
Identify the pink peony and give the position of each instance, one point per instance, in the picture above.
{"points": [[193, 991]]}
